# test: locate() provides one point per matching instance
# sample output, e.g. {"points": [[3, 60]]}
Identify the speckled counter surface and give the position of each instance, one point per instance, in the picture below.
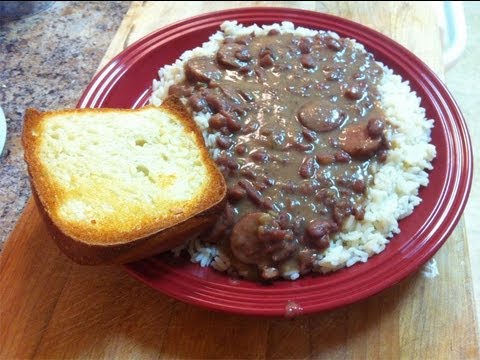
{"points": [[46, 61]]}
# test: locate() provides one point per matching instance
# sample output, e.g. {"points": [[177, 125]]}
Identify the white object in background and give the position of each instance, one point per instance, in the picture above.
{"points": [[3, 130], [451, 20]]}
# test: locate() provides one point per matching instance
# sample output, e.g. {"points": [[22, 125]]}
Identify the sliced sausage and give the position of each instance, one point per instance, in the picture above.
{"points": [[180, 90], [356, 141], [320, 115], [233, 55], [244, 240], [201, 69]]}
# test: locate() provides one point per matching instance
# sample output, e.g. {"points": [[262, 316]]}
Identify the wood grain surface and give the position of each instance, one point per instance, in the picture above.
{"points": [[53, 308]]}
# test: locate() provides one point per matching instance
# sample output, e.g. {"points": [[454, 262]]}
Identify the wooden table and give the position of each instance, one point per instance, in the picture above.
{"points": [[53, 308]]}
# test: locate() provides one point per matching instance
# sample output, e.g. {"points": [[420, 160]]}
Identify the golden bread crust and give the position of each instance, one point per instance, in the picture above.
{"points": [[86, 246]]}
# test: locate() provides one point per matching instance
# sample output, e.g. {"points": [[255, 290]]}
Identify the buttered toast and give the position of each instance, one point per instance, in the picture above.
{"points": [[119, 185]]}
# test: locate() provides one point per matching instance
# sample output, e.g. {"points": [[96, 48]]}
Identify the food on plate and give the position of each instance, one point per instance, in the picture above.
{"points": [[119, 185], [323, 148]]}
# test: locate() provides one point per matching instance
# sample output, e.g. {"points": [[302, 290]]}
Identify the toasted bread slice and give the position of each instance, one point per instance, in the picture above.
{"points": [[119, 185]]}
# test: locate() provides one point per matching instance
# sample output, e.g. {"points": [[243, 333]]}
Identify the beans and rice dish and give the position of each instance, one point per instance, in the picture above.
{"points": [[323, 148]]}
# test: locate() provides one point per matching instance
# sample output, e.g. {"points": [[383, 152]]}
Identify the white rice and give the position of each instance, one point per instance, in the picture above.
{"points": [[391, 197]]}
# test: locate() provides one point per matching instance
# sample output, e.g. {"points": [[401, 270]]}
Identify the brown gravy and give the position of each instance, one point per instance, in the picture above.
{"points": [[299, 126]]}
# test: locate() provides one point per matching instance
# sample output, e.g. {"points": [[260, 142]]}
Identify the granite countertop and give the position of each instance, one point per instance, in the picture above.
{"points": [[46, 61]]}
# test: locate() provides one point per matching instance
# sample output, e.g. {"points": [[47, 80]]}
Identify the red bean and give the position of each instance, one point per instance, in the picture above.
{"points": [[306, 259], [284, 220], [307, 61], [217, 121], [232, 164], [267, 51], [197, 103], [359, 186], [290, 187], [254, 195], [260, 72], [216, 103], [236, 193], [358, 212], [244, 40], [309, 135], [382, 155], [306, 189], [375, 127], [266, 61], [342, 157], [302, 147], [267, 204], [305, 45], [333, 44], [247, 173], [248, 97], [265, 131], [325, 159], [224, 142], [318, 228], [353, 93], [307, 168], [249, 128], [246, 69], [259, 156], [269, 181], [240, 149], [341, 210], [243, 54], [233, 125], [259, 185]]}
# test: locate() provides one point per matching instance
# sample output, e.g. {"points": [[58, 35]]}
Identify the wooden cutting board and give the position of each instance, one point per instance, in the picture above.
{"points": [[52, 308]]}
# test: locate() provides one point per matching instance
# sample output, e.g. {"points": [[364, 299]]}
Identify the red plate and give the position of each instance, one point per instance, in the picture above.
{"points": [[126, 83]]}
